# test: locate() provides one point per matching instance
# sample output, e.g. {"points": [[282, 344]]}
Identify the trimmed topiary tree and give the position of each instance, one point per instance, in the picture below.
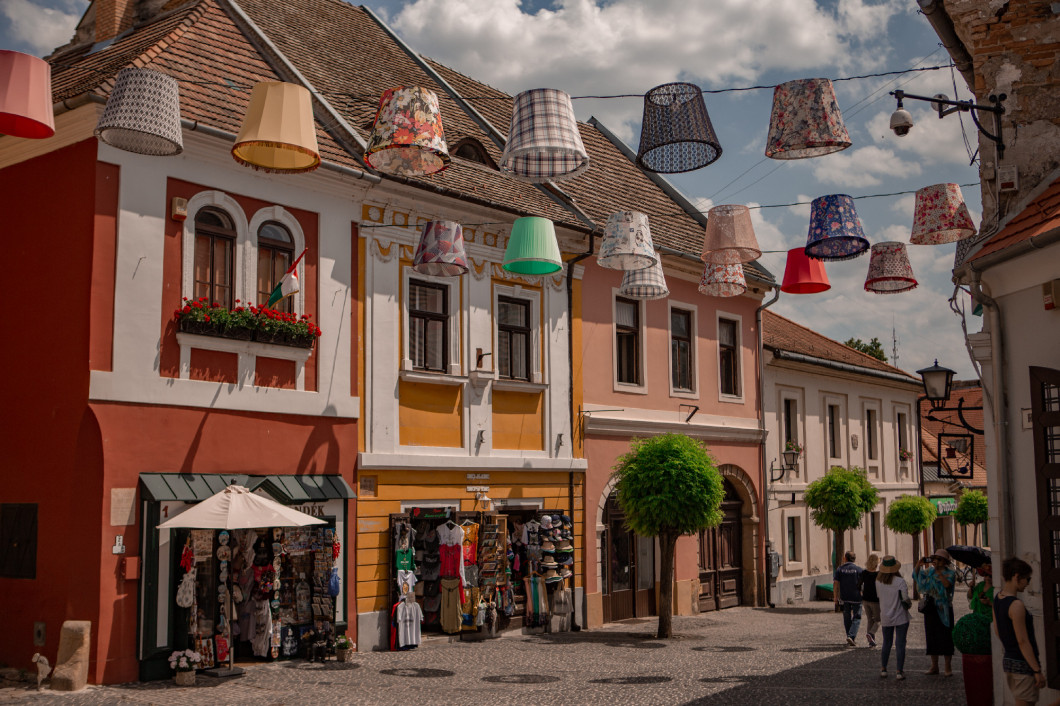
{"points": [[839, 500], [972, 510], [971, 635], [911, 514], [668, 486]]}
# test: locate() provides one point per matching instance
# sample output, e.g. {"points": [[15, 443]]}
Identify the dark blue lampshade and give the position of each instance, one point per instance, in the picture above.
{"points": [[835, 229]]}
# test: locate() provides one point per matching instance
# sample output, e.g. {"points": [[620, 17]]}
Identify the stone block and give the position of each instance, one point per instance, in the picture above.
{"points": [[71, 665]]}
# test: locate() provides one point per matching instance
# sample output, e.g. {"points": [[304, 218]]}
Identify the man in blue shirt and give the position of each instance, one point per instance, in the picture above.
{"points": [[845, 581]]}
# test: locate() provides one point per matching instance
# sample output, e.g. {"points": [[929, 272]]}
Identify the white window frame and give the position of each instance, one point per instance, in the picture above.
{"points": [[798, 563], [285, 218], [795, 397], [841, 440], [899, 427], [876, 522], [873, 466], [642, 372], [738, 320], [532, 296], [693, 311], [453, 290]]}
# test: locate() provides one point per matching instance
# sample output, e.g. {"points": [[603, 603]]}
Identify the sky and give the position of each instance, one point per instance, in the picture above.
{"points": [[585, 47]]}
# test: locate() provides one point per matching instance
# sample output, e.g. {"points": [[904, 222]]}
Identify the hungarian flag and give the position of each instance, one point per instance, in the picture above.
{"points": [[288, 284]]}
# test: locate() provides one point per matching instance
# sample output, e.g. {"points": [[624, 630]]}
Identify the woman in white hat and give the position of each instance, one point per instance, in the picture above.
{"points": [[893, 594]]}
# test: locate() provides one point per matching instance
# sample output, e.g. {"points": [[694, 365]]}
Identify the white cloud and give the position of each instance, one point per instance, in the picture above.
{"points": [[42, 28], [864, 166]]}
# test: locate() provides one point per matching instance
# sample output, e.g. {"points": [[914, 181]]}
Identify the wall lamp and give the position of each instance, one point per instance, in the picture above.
{"points": [[790, 463], [902, 120]]}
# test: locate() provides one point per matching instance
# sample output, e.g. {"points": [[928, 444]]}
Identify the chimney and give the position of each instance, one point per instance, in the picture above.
{"points": [[112, 18]]}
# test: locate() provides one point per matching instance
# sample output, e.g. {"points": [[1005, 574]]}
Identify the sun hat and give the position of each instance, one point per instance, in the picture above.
{"points": [[890, 565], [549, 564], [565, 573], [551, 576], [557, 520], [942, 554], [567, 560], [564, 546], [547, 546], [546, 522]]}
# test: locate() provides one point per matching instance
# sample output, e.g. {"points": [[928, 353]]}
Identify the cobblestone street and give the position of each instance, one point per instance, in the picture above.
{"points": [[737, 656]]}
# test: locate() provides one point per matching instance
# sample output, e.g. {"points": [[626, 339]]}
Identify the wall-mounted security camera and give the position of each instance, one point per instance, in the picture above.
{"points": [[901, 121]]}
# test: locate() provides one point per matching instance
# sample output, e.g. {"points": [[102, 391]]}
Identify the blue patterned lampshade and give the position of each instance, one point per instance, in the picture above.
{"points": [[835, 229], [627, 242], [648, 283], [532, 248], [440, 251]]}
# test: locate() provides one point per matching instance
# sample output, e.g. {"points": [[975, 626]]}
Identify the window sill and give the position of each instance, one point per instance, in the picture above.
{"points": [[684, 394], [794, 566], [731, 399], [433, 378], [519, 385], [631, 388]]}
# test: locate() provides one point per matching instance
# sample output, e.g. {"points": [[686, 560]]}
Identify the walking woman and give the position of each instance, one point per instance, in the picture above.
{"points": [[893, 594], [935, 579], [869, 600]]}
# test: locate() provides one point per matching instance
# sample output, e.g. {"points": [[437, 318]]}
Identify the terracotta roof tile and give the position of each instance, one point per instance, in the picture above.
{"points": [[1040, 216]]}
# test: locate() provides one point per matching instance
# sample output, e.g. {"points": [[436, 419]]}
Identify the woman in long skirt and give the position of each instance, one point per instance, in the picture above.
{"points": [[935, 580]]}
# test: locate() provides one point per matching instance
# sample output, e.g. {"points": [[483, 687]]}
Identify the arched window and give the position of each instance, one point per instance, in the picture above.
{"points": [[215, 239], [473, 151], [275, 252]]}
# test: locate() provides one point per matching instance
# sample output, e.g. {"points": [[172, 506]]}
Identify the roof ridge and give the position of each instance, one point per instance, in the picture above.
{"points": [[840, 343]]}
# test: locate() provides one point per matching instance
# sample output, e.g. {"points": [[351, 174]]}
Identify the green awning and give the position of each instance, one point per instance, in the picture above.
{"points": [[944, 506], [193, 487]]}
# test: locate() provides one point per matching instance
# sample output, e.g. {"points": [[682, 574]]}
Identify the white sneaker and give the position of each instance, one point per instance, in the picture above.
{"points": [[850, 641]]}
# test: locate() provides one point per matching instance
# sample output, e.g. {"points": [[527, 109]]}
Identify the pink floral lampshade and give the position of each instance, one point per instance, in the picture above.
{"points": [[723, 280], [627, 242], [889, 269], [729, 237], [805, 121], [440, 251], [407, 137], [941, 216]]}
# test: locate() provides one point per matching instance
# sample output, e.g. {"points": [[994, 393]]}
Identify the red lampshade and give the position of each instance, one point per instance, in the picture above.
{"points": [[25, 96], [804, 275]]}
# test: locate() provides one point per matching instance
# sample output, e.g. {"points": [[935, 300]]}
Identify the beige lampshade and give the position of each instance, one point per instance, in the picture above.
{"points": [[278, 133], [729, 237]]}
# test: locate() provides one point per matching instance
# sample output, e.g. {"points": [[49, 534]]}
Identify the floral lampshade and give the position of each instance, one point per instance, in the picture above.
{"points": [[648, 283], [889, 269], [835, 229], [804, 275], [723, 280], [25, 96], [627, 242], [407, 137], [143, 114], [729, 237], [676, 134], [278, 133], [532, 248], [543, 141], [805, 121], [440, 251], [941, 216]]}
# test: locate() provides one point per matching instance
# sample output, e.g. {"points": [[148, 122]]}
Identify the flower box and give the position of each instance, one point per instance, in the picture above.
{"points": [[246, 323], [202, 328]]}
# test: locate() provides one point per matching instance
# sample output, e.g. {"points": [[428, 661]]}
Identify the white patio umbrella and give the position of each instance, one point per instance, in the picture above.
{"points": [[236, 507]]}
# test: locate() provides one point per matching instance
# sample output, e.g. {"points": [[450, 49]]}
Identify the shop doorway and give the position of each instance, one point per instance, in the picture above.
{"points": [[628, 570], [721, 557]]}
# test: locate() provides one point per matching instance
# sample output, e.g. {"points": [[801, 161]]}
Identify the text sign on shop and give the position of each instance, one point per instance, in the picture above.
{"points": [[313, 510], [478, 489], [478, 476]]}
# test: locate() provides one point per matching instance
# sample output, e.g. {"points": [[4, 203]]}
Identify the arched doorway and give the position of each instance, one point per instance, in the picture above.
{"points": [[627, 567], [721, 556]]}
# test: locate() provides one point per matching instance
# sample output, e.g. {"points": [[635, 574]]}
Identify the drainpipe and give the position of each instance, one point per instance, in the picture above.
{"points": [[765, 482], [942, 23]]}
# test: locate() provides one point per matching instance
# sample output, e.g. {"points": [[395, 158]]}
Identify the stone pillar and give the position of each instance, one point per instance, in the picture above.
{"points": [[71, 665]]}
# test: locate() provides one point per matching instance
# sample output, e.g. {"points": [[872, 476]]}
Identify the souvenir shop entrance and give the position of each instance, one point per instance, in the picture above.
{"points": [[480, 572], [627, 569], [720, 557]]}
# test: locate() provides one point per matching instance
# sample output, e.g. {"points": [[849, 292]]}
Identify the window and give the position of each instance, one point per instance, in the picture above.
{"points": [[903, 434], [874, 531], [833, 431], [872, 447], [791, 424], [428, 326], [18, 540], [728, 358], [513, 338], [627, 341], [214, 268], [681, 349], [275, 252], [793, 524]]}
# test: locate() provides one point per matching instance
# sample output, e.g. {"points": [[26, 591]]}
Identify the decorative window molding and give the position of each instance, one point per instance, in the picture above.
{"points": [[834, 429], [641, 386], [794, 540], [454, 365], [533, 297], [693, 317], [244, 253], [285, 218], [737, 362], [248, 352]]}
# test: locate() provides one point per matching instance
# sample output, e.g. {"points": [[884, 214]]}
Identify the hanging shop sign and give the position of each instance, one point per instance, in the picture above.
{"points": [[944, 506]]}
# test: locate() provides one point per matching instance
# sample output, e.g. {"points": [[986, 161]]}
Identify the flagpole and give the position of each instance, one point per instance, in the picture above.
{"points": [[297, 260]]}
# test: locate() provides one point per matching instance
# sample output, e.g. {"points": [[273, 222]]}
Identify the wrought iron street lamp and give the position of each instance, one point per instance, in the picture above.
{"points": [[937, 382]]}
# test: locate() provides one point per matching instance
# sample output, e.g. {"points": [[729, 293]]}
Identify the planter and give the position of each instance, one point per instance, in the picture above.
{"points": [[978, 679], [238, 333], [343, 655], [185, 678], [202, 328], [284, 339]]}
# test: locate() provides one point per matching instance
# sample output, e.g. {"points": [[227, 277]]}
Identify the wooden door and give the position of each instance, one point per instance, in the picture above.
{"points": [[720, 557], [620, 585]]}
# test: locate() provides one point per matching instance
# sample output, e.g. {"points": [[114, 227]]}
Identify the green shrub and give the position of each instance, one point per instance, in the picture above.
{"points": [[971, 635]]}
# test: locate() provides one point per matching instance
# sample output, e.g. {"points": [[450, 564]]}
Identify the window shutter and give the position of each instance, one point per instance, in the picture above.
{"points": [[1045, 417], [18, 540]]}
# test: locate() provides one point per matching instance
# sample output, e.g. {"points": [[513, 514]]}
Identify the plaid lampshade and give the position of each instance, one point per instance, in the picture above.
{"points": [[835, 229], [675, 133], [627, 242], [729, 237], [723, 280], [532, 248], [143, 114], [25, 96], [805, 121], [889, 269], [278, 133], [440, 251], [407, 137], [804, 275], [941, 216], [543, 141], [648, 283]]}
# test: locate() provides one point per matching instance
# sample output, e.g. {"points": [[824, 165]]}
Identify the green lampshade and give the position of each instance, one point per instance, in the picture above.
{"points": [[532, 248]]}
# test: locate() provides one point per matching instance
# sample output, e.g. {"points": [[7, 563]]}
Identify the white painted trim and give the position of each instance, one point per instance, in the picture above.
{"points": [[285, 218], [432, 378], [534, 298], [638, 422], [841, 433], [738, 320], [243, 248], [534, 503], [642, 388], [248, 352], [518, 385], [407, 505], [454, 366], [428, 462], [693, 310]]}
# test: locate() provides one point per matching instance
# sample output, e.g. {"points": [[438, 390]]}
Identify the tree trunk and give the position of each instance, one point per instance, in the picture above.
{"points": [[668, 542], [840, 547]]}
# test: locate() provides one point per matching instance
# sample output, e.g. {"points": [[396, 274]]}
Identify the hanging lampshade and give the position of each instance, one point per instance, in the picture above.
{"points": [[804, 275], [648, 283], [278, 133], [941, 216], [729, 237], [407, 137], [25, 96], [723, 280], [627, 242], [143, 114], [805, 121], [440, 251], [675, 132], [889, 269], [543, 141], [532, 248], [835, 229]]}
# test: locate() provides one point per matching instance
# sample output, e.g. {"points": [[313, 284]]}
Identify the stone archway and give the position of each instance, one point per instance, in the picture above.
{"points": [[745, 489]]}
